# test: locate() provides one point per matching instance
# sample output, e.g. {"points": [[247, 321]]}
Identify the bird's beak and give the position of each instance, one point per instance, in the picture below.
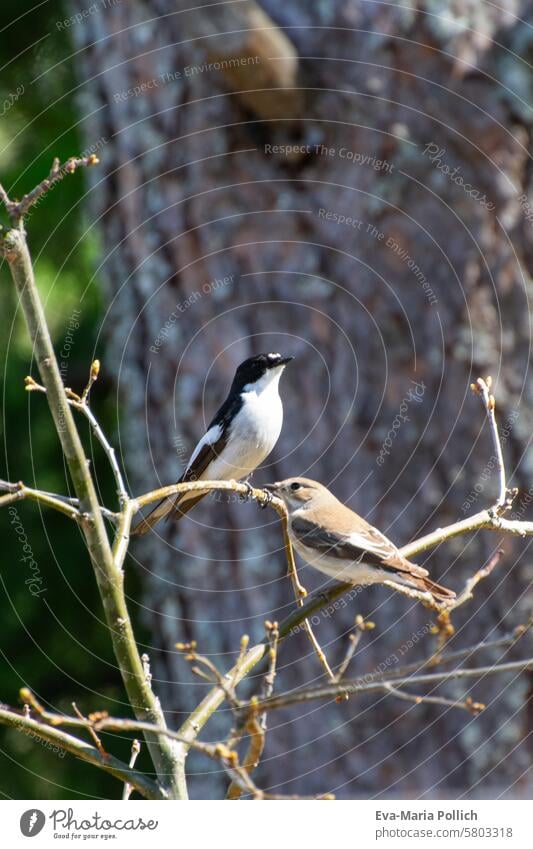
{"points": [[271, 487], [284, 360]]}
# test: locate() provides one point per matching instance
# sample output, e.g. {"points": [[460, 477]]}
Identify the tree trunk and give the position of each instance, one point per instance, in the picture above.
{"points": [[374, 228]]}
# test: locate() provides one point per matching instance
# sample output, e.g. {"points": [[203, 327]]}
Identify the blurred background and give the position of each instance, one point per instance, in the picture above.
{"points": [[347, 182]]}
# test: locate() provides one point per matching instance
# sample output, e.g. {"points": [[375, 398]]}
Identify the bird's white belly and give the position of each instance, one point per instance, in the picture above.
{"points": [[352, 572], [254, 434]]}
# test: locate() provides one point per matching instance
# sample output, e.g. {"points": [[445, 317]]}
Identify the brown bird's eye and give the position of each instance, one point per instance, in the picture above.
{"points": [[295, 486]]}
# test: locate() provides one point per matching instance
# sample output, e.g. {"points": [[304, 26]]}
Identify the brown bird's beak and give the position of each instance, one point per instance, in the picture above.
{"points": [[271, 487]]}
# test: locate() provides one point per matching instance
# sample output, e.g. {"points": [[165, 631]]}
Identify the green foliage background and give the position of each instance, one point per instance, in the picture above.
{"points": [[55, 643]]}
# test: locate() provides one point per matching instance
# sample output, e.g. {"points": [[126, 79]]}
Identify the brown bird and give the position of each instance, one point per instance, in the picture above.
{"points": [[335, 540]]}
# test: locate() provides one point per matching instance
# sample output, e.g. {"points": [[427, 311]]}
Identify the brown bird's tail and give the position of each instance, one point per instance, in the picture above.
{"points": [[172, 508], [438, 592], [411, 575]]}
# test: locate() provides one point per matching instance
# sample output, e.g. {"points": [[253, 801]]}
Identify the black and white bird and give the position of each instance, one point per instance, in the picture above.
{"points": [[242, 434], [332, 538]]}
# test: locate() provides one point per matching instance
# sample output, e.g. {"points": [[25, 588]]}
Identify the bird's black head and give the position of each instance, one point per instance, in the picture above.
{"points": [[254, 368]]}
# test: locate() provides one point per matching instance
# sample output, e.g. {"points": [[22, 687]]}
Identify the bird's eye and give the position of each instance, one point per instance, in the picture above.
{"points": [[295, 486]]}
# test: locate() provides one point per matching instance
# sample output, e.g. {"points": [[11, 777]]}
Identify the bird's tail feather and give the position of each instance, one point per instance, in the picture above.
{"points": [[437, 590], [183, 506], [173, 508], [161, 509]]}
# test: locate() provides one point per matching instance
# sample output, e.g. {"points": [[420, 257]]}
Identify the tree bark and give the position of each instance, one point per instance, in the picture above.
{"points": [[347, 238]]}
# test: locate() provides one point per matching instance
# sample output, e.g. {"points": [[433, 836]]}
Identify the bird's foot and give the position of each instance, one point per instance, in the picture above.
{"points": [[266, 500], [246, 496]]}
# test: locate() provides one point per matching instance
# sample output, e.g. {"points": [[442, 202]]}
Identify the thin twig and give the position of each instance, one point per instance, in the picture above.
{"points": [[299, 591], [438, 658], [18, 209], [257, 725], [92, 732], [483, 387], [107, 447], [135, 749], [93, 377], [467, 704], [81, 403], [146, 668], [213, 676], [353, 641], [329, 691], [258, 495], [444, 629], [19, 492], [245, 642], [4, 197], [272, 629], [474, 580]]}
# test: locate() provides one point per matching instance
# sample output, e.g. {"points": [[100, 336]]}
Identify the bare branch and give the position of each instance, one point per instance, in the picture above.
{"points": [[18, 209], [122, 536], [245, 642], [53, 735], [168, 758], [81, 403], [92, 732], [467, 704], [201, 714], [483, 387], [19, 492], [47, 728], [299, 591], [216, 751], [259, 495], [360, 627], [213, 676], [474, 580], [438, 658], [272, 629], [348, 688], [256, 725]]}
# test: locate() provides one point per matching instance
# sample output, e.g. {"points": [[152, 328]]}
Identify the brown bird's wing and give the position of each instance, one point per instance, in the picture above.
{"points": [[366, 544], [175, 506]]}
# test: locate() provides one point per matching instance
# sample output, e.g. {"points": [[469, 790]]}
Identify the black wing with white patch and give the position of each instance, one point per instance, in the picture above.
{"points": [[214, 440], [210, 447]]}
